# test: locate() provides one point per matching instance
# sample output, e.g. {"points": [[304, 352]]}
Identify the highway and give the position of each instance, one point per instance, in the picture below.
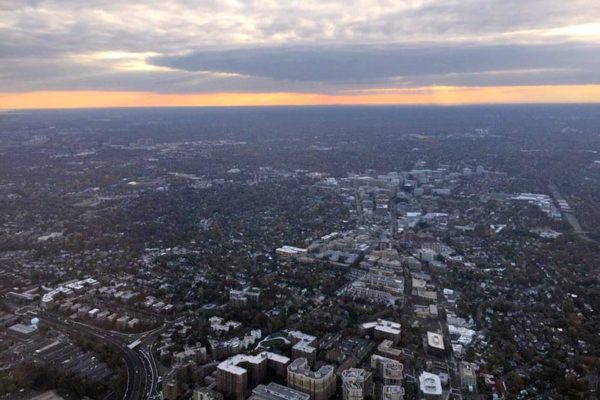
{"points": [[151, 371], [142, 374], [146, 350], [569, 215]]}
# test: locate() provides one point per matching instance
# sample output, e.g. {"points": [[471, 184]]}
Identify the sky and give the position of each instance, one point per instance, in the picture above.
{"points": [[104, 53]]}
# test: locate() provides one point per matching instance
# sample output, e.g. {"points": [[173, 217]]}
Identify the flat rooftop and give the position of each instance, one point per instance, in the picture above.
{"points": [[384, 326], [430, 384], [435, 340], [300, 366], [231, 364], [23, 329], [275, 391]]}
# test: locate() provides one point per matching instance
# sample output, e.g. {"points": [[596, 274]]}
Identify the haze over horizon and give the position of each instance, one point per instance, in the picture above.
{"points": [[65, 54]]}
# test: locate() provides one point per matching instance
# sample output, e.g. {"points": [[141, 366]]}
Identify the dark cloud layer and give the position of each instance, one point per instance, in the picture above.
{"points": [[531, 64], [308, 45]]}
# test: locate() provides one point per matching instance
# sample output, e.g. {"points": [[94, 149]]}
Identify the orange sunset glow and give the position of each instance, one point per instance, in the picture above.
{"points": [[424, 96]]}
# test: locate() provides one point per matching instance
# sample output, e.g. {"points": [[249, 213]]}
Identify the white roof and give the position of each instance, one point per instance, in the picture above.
{"points": [[302, 336], [430, 383], [291, 250], [231, 364], [384, 326], [66, 288], [435, 340]]}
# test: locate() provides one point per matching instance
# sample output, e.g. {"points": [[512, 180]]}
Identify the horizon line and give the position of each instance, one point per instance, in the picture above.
{"points": [[387, 105], [418, 96]]}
